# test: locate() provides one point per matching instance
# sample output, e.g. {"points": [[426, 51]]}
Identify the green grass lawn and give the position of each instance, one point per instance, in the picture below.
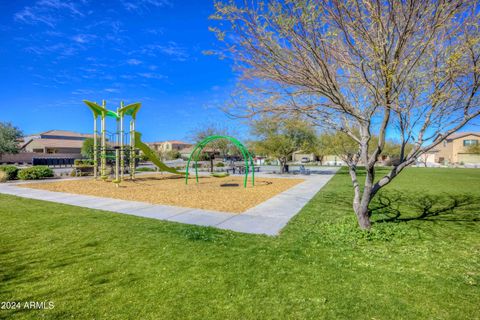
{"points": [[422, 264]]}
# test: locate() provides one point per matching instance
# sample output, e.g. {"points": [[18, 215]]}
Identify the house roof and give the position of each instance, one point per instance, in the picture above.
{"points": [[458, 135], [65, 133], [178, 142], [190, 149], [172, 142], [54, 143]]}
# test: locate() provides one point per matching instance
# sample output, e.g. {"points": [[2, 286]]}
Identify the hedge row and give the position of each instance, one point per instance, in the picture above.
{"points": [[35, 173], [82, 162], [32, 173]]}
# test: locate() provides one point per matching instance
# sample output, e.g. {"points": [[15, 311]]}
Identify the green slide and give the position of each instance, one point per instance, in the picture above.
{"points": [[152, 156]]}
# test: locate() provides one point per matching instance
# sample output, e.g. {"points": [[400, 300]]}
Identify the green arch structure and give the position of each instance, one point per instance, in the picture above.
{"points": [[202, 144]]}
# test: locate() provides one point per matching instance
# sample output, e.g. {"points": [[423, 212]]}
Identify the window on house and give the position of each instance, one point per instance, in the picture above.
{"points": [[468, 143], [444, 143]]}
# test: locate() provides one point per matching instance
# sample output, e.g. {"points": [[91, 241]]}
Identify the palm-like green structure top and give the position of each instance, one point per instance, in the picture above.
{"points": [[130, 110]]}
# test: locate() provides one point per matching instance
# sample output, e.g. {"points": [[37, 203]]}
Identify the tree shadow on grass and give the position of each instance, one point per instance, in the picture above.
{"points": [[395, 206]]}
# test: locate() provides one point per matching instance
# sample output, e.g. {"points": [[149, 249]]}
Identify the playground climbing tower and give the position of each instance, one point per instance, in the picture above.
{"points": [[117, 139]]}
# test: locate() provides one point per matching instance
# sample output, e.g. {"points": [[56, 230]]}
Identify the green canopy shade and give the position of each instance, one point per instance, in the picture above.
{"points": [[99, 111], [130, 110]]}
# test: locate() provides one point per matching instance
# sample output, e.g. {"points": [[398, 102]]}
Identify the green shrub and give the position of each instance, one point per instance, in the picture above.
{"points": [[220, 164], [83, 162], [11, 172], [3, 176], [35, 173]]}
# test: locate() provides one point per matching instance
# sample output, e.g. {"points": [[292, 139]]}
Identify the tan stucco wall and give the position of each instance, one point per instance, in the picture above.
{"points": [[428, 157], [299, 156], [444, 151], [450, 150], [459, 148], [34, 146], [469, 158]]}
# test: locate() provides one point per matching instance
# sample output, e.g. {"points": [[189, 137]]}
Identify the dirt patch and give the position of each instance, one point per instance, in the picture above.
{"points": [[220, 194]]}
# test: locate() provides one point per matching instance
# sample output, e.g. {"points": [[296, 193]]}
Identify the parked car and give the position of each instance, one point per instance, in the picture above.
{"points": [[305, 160]]}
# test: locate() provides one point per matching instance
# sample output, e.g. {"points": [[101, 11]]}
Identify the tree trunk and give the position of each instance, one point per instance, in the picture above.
{"points": [[283, 164], [363, 218], [211, 163], [360, 200]]}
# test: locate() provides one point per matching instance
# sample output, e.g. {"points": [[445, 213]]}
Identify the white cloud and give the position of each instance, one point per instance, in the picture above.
{"points": [[156, 31], [59, 49], [112, 90], [134, 62], [141, 5], [83, 38], [60, 5], [150, 75], [83, 92], [31, 16], [127, 76], [171, 49], [47, 12]]}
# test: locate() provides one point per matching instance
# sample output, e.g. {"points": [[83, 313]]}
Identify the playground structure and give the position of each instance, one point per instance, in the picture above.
{"points": [[127, 143], [197, 151], [118, 139]]}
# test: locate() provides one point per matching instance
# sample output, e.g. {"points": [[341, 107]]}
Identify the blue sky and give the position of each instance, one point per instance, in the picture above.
{"points": [[56, 53]]}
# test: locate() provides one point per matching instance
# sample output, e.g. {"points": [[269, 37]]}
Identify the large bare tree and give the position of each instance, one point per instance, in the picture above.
{"points": [[407, 70]]}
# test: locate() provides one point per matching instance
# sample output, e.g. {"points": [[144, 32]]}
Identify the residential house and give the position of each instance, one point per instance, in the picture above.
{"points": [[54, 141], [454, 150], [300, 156], [170, 145], [185, 153], [329, 160], [58, 144]]}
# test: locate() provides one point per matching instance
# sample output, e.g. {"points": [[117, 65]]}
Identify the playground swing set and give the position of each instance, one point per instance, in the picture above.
{"points": [[126, 145]]}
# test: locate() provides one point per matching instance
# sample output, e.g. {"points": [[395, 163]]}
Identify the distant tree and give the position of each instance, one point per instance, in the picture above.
{"points": [[406, 69], [474, 149], [172, 155], [87, 148], [9, 136], [336, 143], [280, 138], [342, 145], [221, 146]]}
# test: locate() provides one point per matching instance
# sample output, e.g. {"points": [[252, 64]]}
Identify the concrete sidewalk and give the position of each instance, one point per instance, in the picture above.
{"points": [[267, 218]]}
